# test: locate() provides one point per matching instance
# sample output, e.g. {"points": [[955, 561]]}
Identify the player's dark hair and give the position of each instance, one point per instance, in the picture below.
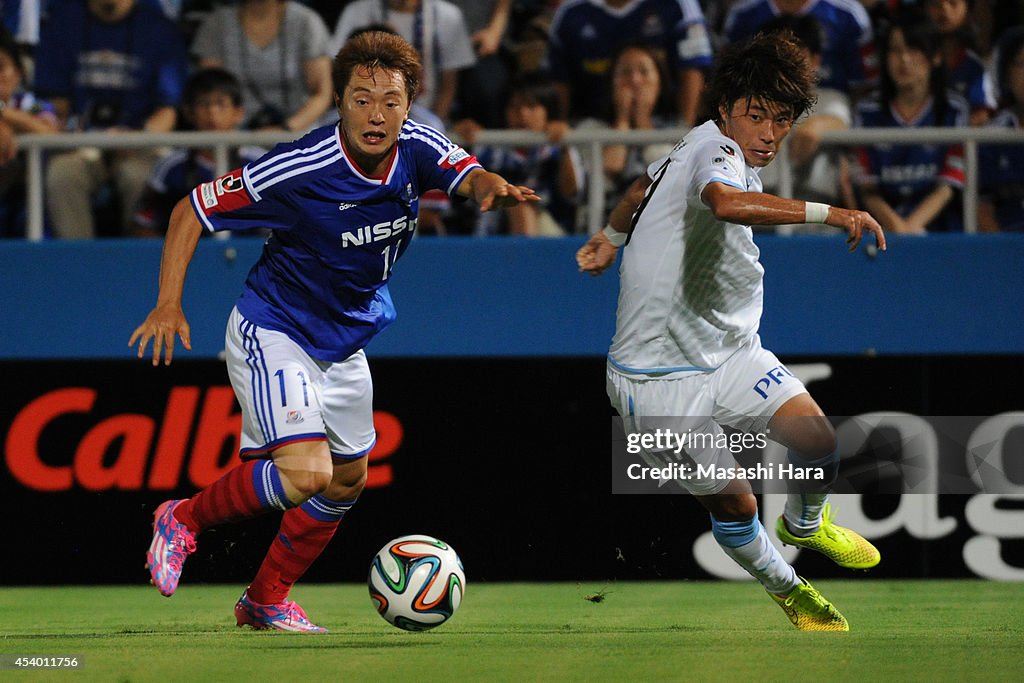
{"points": [[922, 36], [1010, 45], [770, 67], [805, 28], [212, 80], [377, 50]]}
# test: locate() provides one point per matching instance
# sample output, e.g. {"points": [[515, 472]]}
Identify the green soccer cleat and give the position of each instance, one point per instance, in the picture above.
{"points": [[809, 610], [843, 546]]}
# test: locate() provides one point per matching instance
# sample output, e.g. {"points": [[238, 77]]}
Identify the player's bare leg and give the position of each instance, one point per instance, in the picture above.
{"points": [[800, 425]]}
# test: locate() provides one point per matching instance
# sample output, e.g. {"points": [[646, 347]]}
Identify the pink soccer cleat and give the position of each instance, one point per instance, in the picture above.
{"points": [[172, 543], [286, 616]]}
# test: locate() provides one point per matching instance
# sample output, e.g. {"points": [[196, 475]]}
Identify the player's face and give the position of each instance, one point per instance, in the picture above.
{"points": [[758, 128], [373, 108]]}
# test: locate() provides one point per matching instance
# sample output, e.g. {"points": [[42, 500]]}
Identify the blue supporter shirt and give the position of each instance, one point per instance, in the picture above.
{"points": [[586, 34], [905, 174], [336, 232], [1001, 175], [968, 76], [174, 176], [848, 58], [113, 74]]}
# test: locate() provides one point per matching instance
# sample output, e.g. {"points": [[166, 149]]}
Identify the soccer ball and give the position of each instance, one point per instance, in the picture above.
{"points": [[416, 582]]}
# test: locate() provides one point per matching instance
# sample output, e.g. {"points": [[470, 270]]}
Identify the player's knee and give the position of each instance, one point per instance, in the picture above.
{"points": [[305, 484], [346, 487], [735, 507], [348, 479]]}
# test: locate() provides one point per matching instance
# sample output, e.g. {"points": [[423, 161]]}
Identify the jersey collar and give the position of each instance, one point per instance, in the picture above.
{"points": [[358, 172]]}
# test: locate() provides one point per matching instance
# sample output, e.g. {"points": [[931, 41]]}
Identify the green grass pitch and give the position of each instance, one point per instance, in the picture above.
{"points": [[641, 631]]}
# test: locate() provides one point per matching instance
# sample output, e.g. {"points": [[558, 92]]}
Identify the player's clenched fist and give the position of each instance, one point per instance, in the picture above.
{"points": [[596, 255]]}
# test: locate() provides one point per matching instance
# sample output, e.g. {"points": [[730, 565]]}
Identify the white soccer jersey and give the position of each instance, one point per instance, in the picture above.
{"points": [[690, 285]]}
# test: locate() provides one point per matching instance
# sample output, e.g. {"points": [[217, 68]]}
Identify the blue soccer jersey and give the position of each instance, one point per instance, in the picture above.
{"points": [[586, 34], [336, 232], [1001, 175], [969, 78], [905, 174], [848, 56]]}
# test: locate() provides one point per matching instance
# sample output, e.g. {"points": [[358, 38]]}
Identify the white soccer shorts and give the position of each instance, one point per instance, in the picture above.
{"points": [[743, 393], [287, 396]]}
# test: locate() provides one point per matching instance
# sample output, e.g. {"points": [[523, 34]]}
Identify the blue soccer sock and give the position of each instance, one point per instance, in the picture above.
{"points": [[747, 543]]}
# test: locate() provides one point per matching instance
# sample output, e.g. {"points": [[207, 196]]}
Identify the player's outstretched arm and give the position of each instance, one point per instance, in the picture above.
{"points": [[733, 205], [167, 319], [492, 192], [599, 252]]}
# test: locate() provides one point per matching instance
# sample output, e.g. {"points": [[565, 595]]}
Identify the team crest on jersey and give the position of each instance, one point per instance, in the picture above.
{"points": [[728, 150], [293, 417], [226, 193], [229, 183]]}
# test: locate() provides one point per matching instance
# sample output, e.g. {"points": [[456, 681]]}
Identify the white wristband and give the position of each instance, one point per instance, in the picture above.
{"points": [[614, 236], [815, 212]]}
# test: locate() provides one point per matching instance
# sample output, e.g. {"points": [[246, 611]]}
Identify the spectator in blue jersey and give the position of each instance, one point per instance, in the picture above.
{"points": [[848, 51], [107, 65], [966, 72], [912, 188], [554, 170], [20, 112], [341, 203], [213, 103], [587, 34], [1001, 167]]}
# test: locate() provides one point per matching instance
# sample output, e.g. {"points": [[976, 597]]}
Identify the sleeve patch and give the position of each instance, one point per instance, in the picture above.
{"points": [[226, 193], [457, 159]]}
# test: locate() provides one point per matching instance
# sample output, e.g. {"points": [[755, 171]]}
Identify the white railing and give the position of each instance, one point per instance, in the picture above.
{"points": [[36, 145]]}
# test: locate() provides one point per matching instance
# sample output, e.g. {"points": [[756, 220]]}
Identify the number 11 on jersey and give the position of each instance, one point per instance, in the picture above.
{"points": [[389, 258]]}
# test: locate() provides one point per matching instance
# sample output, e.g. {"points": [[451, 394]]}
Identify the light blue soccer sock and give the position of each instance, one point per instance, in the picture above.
{"points": [[806, 498], [747, 543]]}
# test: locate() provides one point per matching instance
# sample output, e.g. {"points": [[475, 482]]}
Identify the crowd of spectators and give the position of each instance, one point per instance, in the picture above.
{"points": [[547, 66]]}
